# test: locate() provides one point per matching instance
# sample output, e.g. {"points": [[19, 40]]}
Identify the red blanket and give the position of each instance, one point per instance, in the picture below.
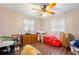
{"points": [[52, 40]]}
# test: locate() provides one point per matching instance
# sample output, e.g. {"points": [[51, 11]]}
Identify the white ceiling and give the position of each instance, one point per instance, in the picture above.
{"points": [[26, 8]]}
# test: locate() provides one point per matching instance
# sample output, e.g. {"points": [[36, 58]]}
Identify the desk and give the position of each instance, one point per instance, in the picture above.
{"points": [[6, 44]]}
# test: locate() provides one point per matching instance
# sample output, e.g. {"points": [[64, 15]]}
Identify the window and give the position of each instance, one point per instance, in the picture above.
{"points": [[58, 25], [29, 26]]}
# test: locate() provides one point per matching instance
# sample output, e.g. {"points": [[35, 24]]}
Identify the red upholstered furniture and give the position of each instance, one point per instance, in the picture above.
{"points": [[52, 40]]}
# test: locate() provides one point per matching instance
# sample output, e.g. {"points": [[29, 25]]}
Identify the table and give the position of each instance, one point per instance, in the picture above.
{"points": [[6, 44]]}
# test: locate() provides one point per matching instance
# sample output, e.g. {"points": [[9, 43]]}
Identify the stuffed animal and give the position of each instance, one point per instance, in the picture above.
{"points": [[64, 39]]}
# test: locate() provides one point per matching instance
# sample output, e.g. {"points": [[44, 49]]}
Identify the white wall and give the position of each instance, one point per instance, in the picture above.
{"points": [[11, 22], [39, 24], [73, 22]]}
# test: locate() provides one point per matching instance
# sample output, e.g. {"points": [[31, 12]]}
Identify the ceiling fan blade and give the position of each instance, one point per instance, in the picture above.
{"points": [[50, 12], [51, 5], [35, 9]]}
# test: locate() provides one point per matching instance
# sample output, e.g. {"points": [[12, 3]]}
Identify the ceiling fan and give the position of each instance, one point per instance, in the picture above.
{"points": [[45, 9]]}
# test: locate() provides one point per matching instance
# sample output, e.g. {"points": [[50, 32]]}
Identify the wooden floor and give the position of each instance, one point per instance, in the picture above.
{"points": [[46, 49]]}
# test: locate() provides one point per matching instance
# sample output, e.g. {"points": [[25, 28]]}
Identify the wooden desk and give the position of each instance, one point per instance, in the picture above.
{"points": [[30, 38]]}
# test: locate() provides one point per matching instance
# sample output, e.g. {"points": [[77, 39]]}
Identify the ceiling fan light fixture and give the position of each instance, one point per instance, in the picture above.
{"points": [[44, 15]]}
